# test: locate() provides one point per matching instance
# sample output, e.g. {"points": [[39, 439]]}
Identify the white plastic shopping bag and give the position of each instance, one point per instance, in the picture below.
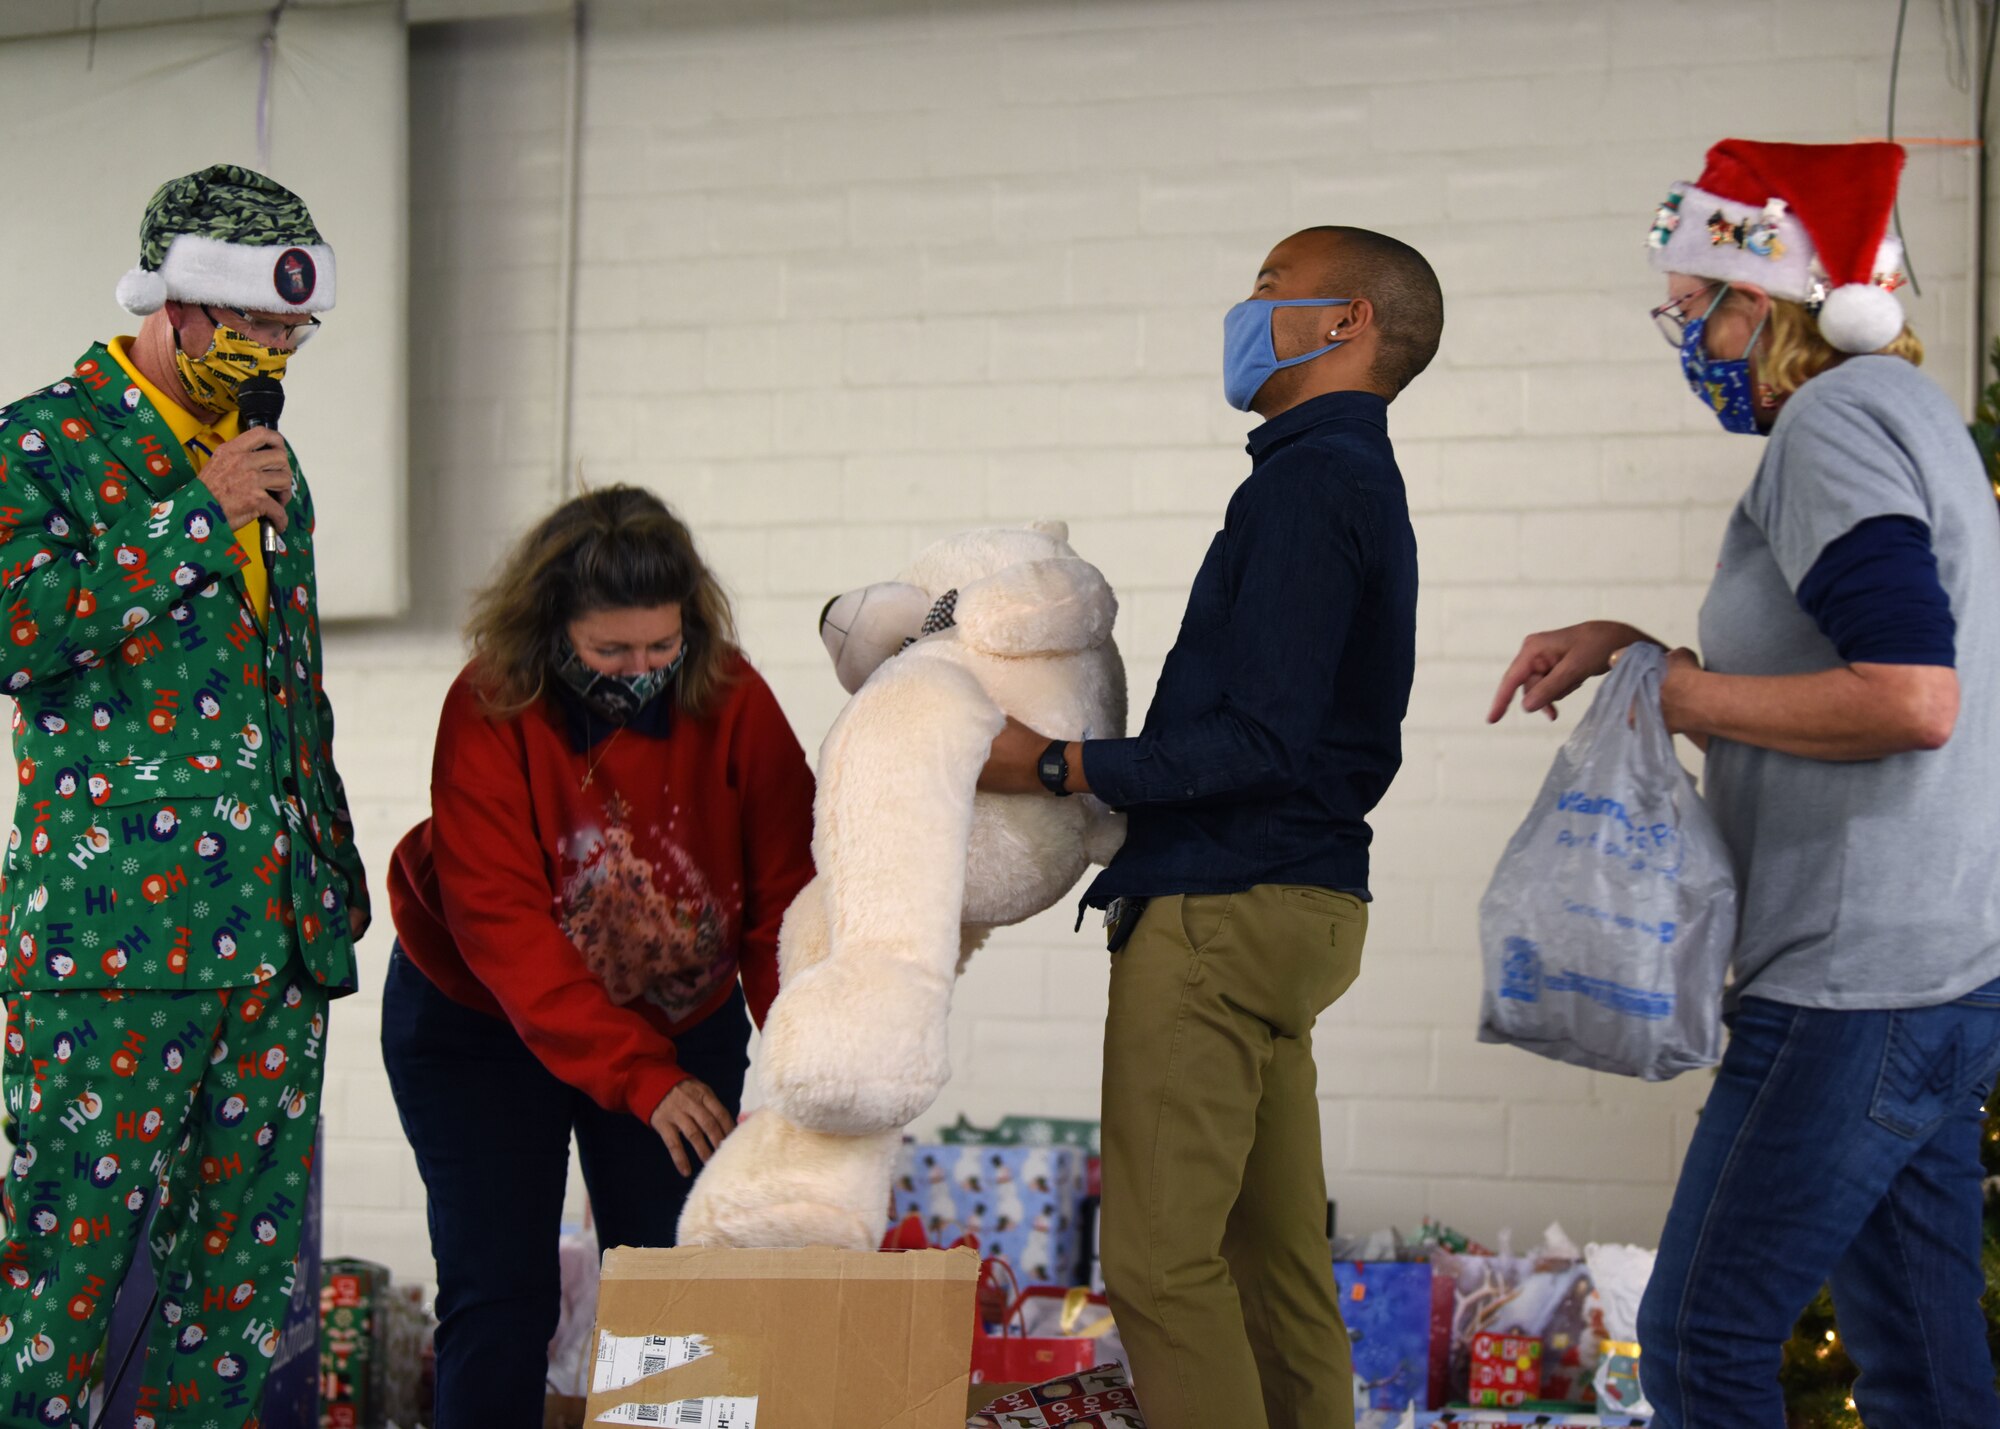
{"points": [[1607, 928]]}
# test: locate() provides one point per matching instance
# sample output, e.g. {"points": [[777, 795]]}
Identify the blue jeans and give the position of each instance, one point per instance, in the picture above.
{"points": [[491, 1128], [1841, 1148]]}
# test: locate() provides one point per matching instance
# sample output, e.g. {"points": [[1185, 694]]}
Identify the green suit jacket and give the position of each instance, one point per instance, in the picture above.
{"points": [[180, 823]]}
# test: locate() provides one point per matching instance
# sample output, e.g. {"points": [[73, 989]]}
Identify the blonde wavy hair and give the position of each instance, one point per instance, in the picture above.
{"points": [[1791, 352], [612, 548]]}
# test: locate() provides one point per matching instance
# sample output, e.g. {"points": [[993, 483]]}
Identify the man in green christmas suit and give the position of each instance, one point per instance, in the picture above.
{"points": [[182, 892]]}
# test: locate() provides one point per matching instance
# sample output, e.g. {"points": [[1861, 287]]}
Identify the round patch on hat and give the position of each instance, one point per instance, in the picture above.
{"points": [[294, 276]]}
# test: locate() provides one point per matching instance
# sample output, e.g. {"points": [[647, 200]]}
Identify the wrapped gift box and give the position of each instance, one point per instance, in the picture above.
{"points": [[1022, 1203], [1026, 1131], [1386, 1306], [1541, 1296], [1506, 1369], [353, 1349]]}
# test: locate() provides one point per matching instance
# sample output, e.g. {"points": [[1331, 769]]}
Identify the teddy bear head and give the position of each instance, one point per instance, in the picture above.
{"points": [[1016, 591]]}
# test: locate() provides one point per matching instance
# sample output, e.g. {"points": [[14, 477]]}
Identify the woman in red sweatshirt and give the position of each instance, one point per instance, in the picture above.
{"points": [[620, 815]]}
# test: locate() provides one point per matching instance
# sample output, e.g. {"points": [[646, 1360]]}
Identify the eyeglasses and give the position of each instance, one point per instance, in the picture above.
{"points": [[288, 337], [1672, 317]]}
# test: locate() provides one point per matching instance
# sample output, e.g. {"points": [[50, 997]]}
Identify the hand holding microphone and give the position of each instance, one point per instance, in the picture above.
{"points": [[250, 477]]}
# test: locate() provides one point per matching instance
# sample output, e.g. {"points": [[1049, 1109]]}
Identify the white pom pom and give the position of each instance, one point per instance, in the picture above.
{"points": [[1860, 317], [142, 291]]}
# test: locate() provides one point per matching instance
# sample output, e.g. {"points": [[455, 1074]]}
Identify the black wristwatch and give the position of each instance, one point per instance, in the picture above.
{"points": [[1053, 767]]}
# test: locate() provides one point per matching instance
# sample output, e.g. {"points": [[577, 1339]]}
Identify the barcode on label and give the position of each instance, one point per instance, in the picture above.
{"points": [[712, 1412], [652, 1364]]}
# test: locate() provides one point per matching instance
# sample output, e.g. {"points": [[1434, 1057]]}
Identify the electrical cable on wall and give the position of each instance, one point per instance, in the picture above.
{"points": [[269, 46], [1889, 133], [1991, 21]]}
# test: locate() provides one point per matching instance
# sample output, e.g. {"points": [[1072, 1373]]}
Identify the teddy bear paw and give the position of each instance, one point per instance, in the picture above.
{"points": [[777, 1185], [854, 1056]]}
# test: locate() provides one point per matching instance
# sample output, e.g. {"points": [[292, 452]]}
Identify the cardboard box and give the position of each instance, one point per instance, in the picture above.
{"points": [[694, 1338]]}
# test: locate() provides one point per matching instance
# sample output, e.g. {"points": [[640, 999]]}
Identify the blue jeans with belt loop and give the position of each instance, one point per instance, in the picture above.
{"points": [[1842, 1148]]}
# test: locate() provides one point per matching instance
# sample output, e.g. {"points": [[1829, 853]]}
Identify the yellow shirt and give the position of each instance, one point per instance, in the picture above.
{"points": [[199, 442]]}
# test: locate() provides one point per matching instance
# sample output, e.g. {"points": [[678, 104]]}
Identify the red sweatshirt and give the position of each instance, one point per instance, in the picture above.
{"points": [[603, 901]]}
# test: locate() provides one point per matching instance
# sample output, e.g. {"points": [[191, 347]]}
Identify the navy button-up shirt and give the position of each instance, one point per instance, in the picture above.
{"points": [[1277, 723]]}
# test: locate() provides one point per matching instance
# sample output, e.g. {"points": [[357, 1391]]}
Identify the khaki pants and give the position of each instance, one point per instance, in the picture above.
{"points": [[1214, 1213]]}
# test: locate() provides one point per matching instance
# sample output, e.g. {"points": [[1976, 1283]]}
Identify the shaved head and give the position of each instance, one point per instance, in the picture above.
{"points": [[1395, 278]]}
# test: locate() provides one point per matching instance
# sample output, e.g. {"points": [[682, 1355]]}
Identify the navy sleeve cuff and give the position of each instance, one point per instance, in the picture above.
{"points": [[1875, 593], [1108, 768]]}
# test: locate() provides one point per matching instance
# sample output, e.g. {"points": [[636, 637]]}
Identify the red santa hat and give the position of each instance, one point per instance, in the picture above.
{"points": [[1808, 222]]}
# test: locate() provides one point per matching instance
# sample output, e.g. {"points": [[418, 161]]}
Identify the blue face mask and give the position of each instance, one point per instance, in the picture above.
{"points": [[1249, 357], [1724, 385]]}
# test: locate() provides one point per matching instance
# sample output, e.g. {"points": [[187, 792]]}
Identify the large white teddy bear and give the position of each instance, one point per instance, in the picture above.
{"points": [[915, 868]]}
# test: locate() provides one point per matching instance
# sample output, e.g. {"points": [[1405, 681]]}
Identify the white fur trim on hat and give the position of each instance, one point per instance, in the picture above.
{"points": [[199, 269], [142, 291], [1699, 234], [1860, 317]]}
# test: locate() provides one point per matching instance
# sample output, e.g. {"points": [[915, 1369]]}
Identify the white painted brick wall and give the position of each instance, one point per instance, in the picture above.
{"points": [[857, 273]]}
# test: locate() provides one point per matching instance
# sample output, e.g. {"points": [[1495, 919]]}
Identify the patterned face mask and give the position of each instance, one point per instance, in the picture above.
{"points": [[617, 698], [213, 379], [1724, 385]]}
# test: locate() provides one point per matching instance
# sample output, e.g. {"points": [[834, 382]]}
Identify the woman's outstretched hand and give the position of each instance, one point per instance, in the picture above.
{"points": [[1553, 663]]}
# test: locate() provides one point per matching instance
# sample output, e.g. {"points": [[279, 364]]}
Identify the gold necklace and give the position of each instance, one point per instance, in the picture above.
{"points": [[590, 773]]}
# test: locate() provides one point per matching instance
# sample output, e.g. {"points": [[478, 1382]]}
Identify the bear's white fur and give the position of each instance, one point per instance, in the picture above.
{"points": [[915, 867]]}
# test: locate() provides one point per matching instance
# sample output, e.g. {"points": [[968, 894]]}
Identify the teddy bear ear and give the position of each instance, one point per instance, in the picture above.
{"points": [[1057, 606], [1057, 529]]}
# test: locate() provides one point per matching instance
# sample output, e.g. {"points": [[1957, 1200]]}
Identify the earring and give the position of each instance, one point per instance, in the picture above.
{"points": [[1765, 396]]}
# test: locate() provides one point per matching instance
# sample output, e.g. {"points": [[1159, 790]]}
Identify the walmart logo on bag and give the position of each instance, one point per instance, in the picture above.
{"points": [[1521, 972], [1522, 980], [1575, 801]]}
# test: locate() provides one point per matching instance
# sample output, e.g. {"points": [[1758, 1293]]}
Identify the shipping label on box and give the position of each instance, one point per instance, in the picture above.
{"points": [[695, 1338], [1023, 1203]]}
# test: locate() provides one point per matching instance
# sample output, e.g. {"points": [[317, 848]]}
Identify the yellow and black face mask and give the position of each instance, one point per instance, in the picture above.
{"points": [[213, 379]]}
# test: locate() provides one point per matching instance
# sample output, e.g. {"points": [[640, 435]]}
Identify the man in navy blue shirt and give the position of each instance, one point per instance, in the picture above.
{"points": [[1238, 904]]}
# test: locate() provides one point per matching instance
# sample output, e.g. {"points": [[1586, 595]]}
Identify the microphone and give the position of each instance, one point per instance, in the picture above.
{"points": [[259, 400]]}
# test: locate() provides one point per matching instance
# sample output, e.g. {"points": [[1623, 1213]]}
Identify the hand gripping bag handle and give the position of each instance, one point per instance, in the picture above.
{"points": [[1628, 705]]}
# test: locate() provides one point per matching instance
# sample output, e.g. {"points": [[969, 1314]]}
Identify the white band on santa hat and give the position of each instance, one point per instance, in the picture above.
{"points": [[265, 278], [1704, 236]]}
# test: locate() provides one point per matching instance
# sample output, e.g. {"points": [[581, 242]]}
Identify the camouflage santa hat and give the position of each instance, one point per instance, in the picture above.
{"points": [[231, 236]]}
